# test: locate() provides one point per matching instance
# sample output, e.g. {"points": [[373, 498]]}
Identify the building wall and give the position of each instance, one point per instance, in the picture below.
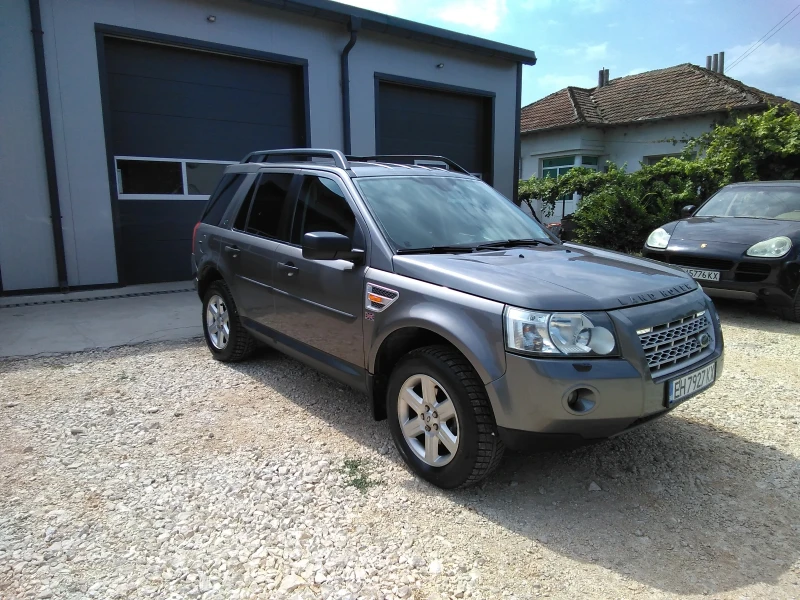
{"points": [[75, 103], [628, 145], [24, 201], [624, 145]]}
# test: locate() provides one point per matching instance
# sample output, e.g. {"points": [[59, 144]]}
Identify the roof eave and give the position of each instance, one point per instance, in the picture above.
{"points": [[402, 28]]}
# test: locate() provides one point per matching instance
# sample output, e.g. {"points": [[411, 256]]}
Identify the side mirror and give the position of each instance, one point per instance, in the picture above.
{"points": [[327, 245], [687, 211]]}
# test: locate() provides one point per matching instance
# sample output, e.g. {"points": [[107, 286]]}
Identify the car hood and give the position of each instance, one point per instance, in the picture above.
{"points": [[561, 277], [739, 230]]}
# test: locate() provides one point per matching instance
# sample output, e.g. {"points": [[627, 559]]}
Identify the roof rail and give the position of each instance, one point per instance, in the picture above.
{"points": [[399, 158], [263, 155]]}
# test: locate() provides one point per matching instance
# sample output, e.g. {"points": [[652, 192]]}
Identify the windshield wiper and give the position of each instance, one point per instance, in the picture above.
{"points": [[513, 243], [436, 250]]}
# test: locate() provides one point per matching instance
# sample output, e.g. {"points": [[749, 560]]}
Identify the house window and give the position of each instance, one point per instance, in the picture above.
{"points": [[651, 160], [553, 167], [147, 178]]}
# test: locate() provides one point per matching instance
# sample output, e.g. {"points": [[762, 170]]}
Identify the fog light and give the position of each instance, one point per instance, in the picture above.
{"points": [[580, 401]]}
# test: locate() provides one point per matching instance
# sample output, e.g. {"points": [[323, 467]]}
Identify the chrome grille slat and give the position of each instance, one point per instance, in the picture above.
{"points": [[677, 343]]}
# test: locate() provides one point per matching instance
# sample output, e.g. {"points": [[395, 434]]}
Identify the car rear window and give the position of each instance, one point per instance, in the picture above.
{"points": [[221, 198]]}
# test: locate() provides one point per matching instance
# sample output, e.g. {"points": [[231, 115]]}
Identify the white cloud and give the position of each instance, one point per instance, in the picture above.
{"points": [[774, 68], [388, 7], [635, 71], [485, 15], [576, 6], [551, 83], [587, 51]]}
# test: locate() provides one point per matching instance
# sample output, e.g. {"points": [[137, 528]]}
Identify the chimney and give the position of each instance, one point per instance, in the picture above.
{"points": [[605, 77], [721, 66], [600, 77], [715, 63], [708, 62]]}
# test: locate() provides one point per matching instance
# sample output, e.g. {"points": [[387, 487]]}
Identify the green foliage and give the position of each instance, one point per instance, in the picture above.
{"points": [[619, 209], [357, 472]]}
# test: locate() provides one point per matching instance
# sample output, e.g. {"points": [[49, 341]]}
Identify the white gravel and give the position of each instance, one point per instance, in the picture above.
{"points": [[156, 472]]}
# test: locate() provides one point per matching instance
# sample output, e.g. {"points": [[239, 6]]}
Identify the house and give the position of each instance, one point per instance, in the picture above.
{"points": [[118, 116], [632, 120]]}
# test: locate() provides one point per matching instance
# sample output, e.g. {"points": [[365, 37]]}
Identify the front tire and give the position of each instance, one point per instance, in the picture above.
{"points": [[225, 335], [792, 313], [441, 419]]}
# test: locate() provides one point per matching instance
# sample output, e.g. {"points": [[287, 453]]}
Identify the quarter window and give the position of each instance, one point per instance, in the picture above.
{"points": [[322, 207], [222, 197]]}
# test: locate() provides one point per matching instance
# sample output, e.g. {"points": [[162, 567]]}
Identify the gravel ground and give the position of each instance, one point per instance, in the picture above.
{"points": [[156, 472]]}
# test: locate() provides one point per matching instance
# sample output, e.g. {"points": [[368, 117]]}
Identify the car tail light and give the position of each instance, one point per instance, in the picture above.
{"points": [[194, 235]]}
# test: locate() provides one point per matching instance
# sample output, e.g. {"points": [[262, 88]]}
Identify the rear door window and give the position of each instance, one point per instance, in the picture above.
{"points": [[221, 198], [267, 211]]}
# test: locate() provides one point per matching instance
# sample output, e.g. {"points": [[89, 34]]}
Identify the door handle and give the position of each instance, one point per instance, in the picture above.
{"points": [[233, 250], [288, 268]]}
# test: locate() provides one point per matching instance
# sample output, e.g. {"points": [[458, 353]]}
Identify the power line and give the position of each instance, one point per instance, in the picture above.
{"points": [[766, 37]]}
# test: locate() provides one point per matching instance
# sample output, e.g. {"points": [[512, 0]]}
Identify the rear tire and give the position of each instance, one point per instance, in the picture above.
{"points": [[225, 335], [457, 448]]}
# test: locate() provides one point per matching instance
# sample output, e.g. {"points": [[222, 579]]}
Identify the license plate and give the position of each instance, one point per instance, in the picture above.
{"points": [[683, 387], [702, 274]]}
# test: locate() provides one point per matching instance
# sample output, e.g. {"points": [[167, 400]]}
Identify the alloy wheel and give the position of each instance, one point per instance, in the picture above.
{"points": [[428, 420]]}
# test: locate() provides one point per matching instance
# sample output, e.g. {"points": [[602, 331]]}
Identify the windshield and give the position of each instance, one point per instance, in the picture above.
{"points": [[423, 212], [757, 202]]}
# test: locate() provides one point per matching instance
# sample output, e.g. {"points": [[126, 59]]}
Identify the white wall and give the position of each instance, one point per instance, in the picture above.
{"points": [[624, 146], [75, 102], [25, 226], [630, 144]]}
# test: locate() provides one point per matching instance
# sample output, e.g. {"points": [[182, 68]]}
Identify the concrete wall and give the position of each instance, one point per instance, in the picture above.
{"points": [[625, 145], [630, 144], [27, 257], [75, 102]]}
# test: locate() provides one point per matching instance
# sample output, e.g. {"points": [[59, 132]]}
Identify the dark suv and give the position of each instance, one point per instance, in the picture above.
{"points": [[466, 322]]}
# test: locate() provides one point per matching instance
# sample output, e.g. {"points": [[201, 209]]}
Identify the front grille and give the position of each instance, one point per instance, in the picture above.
{"points": [[701, 263], [752, 272], [677, 343]]}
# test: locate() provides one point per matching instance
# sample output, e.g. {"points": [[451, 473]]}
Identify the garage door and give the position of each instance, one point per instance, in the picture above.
{"points": [[419, 120], [176, 118]]}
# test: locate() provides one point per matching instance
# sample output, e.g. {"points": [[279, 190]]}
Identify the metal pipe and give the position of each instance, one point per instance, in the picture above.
{"points": [[721, 66], [353, 26], [708, 62], [715, 63], [600, 77], [606, 76], [47, 138], [518, 111]]}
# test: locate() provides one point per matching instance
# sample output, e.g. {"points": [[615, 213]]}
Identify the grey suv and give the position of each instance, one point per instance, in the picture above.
{"points": [[467, 324]]}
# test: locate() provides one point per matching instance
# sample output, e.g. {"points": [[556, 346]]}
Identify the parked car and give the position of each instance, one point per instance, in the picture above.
{"points": [[743, 242], [465, 322]]}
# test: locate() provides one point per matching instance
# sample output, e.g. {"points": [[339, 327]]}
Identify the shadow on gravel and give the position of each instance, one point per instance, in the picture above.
{"points": [[753, 316], [683, 507]]}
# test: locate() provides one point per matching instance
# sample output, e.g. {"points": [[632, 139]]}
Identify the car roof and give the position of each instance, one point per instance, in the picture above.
{"points": [[357, 168], [791, 182]]}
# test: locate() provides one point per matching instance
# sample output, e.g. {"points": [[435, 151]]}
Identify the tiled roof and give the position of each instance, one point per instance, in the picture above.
{"points": [[676, 91]]}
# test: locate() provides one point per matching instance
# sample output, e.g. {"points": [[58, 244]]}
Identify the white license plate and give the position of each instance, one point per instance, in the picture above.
{"points": [[683, 387], [702, 274]]}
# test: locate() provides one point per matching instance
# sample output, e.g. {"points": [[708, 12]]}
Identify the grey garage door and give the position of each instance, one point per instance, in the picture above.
{"points": [[176, 117], [419, 120]]}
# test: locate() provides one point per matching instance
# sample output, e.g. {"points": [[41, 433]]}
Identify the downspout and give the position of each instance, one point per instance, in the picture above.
{"points": [[47, 139], [517, 149], [353, 26]]}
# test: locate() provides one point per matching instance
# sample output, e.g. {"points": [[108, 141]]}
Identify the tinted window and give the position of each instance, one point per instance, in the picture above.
{"points": [[270, 214], [322, 207], [149, 177], [221, 198], [756, 202], [202, 177]]}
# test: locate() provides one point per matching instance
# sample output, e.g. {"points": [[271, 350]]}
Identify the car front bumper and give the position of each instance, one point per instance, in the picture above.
{"points": [[531, 400], [774, 281]]}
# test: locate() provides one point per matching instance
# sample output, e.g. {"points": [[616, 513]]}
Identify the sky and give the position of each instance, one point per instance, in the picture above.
{"points": [[574, 39]]}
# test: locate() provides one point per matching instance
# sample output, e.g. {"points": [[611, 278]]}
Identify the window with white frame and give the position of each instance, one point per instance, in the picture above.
{"points": [[147, 178], [559, 165]]}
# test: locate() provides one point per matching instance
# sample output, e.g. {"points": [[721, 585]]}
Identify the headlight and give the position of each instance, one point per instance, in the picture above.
{"points": [[658, 239], [559, 334], [774, 248]]}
